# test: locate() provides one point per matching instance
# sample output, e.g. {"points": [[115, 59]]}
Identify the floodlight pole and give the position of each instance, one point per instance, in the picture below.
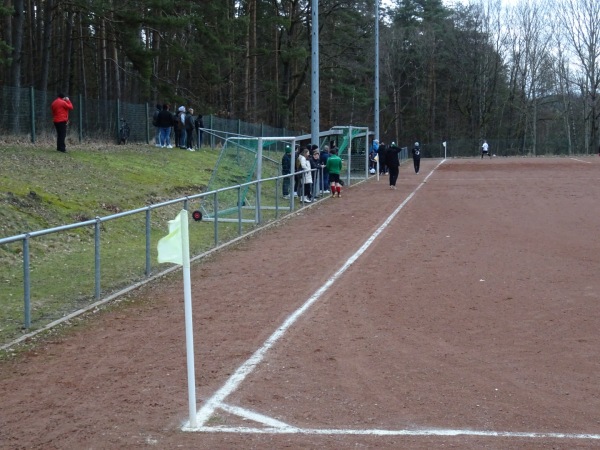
{"points": [[376, 108], [314, 82]]}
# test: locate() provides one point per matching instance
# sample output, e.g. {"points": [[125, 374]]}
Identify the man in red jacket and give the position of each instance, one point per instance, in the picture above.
{"points": [[60, 116]]}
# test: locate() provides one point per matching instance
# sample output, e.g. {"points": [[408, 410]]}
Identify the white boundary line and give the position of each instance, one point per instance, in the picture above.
{"points": [[581, 160], [442, 432], [274, 426]]}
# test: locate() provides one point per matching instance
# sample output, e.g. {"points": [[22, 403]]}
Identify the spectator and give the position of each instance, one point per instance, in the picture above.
{"points": [[372, 162], [334, 167], [179, 127], [306, 175], [189, 129], [373, 156], [286, 169], [199, 129], [317, 173], [165, 122], [155, 124], [325, 180], [297, 173], [60, 116]]}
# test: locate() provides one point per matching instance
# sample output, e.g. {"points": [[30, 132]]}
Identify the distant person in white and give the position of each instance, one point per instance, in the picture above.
{"points": [[485, 149]]}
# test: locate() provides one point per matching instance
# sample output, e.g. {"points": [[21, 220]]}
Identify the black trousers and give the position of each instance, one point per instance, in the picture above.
{"points": [[61, 135], [189, 137], [417, 164], [393, 174]]}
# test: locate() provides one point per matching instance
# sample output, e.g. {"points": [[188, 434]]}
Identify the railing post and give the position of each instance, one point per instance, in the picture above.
{"points": [[26, 284], [277, 196], [148, 263], [97, 258], [239, 204], [216, 214]]}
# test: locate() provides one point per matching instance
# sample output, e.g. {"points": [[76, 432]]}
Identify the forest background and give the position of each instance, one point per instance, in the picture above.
{"points": [[525, 73]]}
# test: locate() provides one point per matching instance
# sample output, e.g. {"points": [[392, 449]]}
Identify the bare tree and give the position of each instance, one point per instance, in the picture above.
{"points": [[579, 22], [531, 44]]}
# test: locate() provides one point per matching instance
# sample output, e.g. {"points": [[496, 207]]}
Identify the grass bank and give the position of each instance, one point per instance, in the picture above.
{"points": [[41, 188]]}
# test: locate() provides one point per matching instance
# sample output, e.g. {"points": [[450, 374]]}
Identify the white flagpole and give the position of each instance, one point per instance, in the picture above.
{"points": [[189, 327]]}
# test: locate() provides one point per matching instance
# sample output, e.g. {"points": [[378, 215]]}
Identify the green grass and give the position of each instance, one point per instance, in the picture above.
{"points": [[41, 188]]}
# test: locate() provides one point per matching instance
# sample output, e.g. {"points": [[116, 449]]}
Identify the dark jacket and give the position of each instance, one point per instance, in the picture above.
{"points": [[189, 122], [391, 156], [324, 157], [382, 152], [416, 152], [164, 119], [286, 164]]}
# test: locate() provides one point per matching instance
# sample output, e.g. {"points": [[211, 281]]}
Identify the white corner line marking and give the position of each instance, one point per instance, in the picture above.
{"points": [[257, 417], [580, 160], [248, 367], [378, 432]]}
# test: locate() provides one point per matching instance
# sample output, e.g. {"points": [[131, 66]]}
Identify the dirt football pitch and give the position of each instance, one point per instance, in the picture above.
{"points": [[461, 310]]}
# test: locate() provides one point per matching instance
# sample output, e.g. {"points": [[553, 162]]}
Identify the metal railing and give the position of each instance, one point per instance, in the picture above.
{"points": [[227, 226]]}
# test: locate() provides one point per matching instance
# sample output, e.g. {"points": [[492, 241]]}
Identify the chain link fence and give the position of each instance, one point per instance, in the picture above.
{"points": [[25, 113]]}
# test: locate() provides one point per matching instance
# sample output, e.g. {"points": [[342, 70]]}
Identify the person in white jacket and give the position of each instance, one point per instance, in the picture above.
{"points": [[306, 175], [485, 150]]}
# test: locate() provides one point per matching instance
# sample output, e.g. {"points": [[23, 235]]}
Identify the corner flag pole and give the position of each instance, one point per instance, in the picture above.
{"points": [[189, 326], [175, 248]]}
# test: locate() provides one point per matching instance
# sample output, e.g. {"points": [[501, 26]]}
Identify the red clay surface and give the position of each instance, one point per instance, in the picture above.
{"points": [[476, 308]]}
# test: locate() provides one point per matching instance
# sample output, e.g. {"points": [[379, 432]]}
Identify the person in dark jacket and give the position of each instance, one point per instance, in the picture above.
{"points": [[165, 122], [179, 127], [189, 129], [325, 181], [382, 153], [317, 167], [286, 169], [392, 161], [199, 129], [416, 154], [155, 124]]}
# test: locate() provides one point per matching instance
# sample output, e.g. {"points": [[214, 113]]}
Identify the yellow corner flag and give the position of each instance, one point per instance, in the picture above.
{"points": [[170, 247], [376, 158]]}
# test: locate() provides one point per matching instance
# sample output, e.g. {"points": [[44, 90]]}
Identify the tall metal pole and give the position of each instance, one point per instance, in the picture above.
{"points": [[314, 81], [376, 111]]}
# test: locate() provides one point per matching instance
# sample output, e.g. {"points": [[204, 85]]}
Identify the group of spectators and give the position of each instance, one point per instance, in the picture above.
{"points": [[316, 172], [183, 124]]}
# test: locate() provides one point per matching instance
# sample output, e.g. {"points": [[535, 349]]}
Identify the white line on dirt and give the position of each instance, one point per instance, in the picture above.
{"points": [[257, 417], [205, 413], [421, 432], [581, 160]]}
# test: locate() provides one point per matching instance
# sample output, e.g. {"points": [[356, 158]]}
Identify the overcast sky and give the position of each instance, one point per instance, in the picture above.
{"points": [[451, 2]]}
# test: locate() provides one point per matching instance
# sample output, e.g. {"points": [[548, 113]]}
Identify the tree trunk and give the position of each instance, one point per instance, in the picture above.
{"points": [[18, 22]]}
